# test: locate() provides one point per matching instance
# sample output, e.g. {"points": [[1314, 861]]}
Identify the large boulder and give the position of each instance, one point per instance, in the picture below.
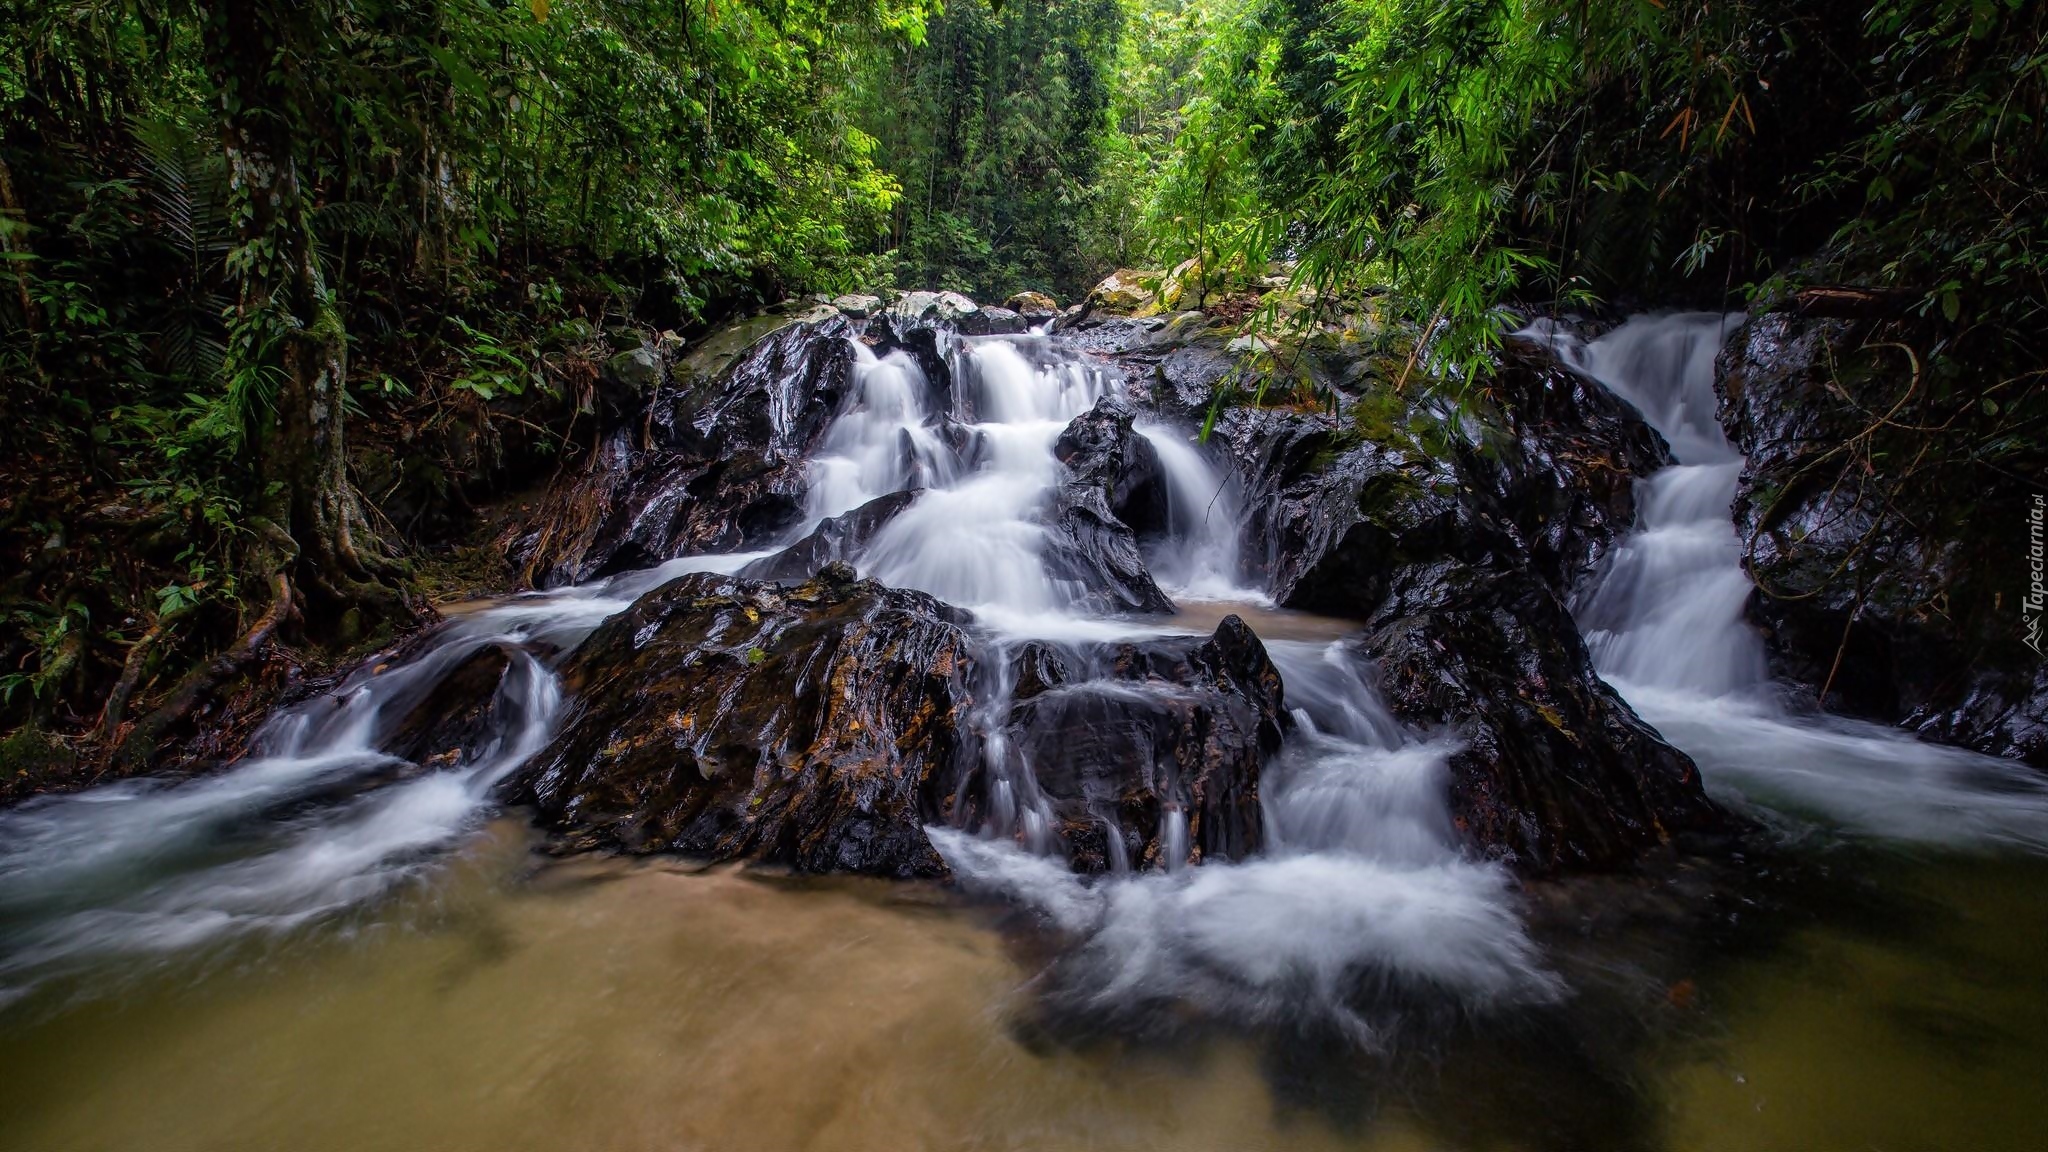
{"points": [[729, 719], [1898, 599], [1147, 755], [952, 310], [712, 462], [1125, 292], [1036, 307], [1554, 771], [1455, 537], [1112, 473], [1565, 466], [1102, 451]]}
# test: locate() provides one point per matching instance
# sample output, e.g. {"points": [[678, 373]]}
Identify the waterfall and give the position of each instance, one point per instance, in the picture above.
{"points": [[1669, 612], [1199, 559], [1362, 877], [973, 538], [882, 442], [1666, 626]]}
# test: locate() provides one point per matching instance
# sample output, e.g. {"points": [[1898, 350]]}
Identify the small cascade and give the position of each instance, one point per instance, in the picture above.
{"points": [[1665, 624], [1199, 559], [1668, 613], [1362, 882], [974, 537], [883, 441], [318, 820]]}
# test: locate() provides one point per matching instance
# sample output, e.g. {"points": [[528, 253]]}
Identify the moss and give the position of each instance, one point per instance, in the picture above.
{"points": [[31, 758], [465, 572], [1380, 417]]}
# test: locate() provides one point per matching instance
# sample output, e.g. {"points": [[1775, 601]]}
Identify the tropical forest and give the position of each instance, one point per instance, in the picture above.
{"points": [[828, 575]]}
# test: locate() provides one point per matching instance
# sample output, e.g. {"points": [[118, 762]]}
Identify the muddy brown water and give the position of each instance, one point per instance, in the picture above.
{"points": [[509, 1002]]}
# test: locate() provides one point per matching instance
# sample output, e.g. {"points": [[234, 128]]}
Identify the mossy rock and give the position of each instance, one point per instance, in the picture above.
{"points": [[32, 760]]}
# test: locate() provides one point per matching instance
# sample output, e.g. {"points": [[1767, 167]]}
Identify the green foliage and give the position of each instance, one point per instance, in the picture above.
{"points": [[1948, 180], [1468, 154], [463, 194], [996, 129]]}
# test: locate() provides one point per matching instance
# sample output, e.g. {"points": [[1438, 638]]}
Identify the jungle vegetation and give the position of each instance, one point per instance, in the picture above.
{"points": [[262, 261]]}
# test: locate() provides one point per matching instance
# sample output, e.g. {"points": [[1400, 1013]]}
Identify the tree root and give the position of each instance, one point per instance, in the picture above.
{"points": [[132, 668], [140, 742]]}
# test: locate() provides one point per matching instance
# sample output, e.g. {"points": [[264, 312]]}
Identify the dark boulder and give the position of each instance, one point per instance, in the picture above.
{"points": [[458, 718], [1101, 451], [712, 463], [1118, 739], [1455, 536], [835, 538], [1111, 470], [1888, 597], [1555, 772], [1564, 464], [729, 719]]}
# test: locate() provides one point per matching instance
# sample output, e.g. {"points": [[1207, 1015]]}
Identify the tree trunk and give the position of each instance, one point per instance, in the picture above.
{"points": [[290, 328]]}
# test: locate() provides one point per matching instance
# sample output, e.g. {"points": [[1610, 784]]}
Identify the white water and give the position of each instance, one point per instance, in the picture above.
{"points": [[975, 537], [307, 827], [1362, 882], [1666, 627], [1362, 885]]}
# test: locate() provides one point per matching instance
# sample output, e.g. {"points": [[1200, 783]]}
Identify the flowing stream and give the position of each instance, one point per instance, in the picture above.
{"points": [[1666, 627], [327, 946]]}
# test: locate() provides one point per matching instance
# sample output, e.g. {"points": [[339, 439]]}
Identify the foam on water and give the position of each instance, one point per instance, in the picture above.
{"points": [[1362, 898]]}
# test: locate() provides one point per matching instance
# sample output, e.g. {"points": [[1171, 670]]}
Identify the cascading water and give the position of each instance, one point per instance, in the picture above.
{"points": [[1363, 875], [1666, 626], [1362, 883], [1199, 559], [973, 538], [319, 819]]}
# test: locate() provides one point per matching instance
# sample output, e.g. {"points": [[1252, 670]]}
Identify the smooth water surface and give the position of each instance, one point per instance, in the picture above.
{"points": [[620, 1007]]}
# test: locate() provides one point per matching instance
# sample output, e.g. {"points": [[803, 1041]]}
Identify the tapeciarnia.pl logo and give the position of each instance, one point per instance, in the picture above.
{"points": [[2036, 599]]}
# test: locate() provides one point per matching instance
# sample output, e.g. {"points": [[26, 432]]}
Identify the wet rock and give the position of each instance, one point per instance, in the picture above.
{"points": [[729, 719], [1456, 538], [1112, 470], [455, 721], [1035, 668], [712, 463], [1187, 378], [1898, 598], [1101, 451], [836, 538], [1120, 738], [1565, 466], [1555, 773]]}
